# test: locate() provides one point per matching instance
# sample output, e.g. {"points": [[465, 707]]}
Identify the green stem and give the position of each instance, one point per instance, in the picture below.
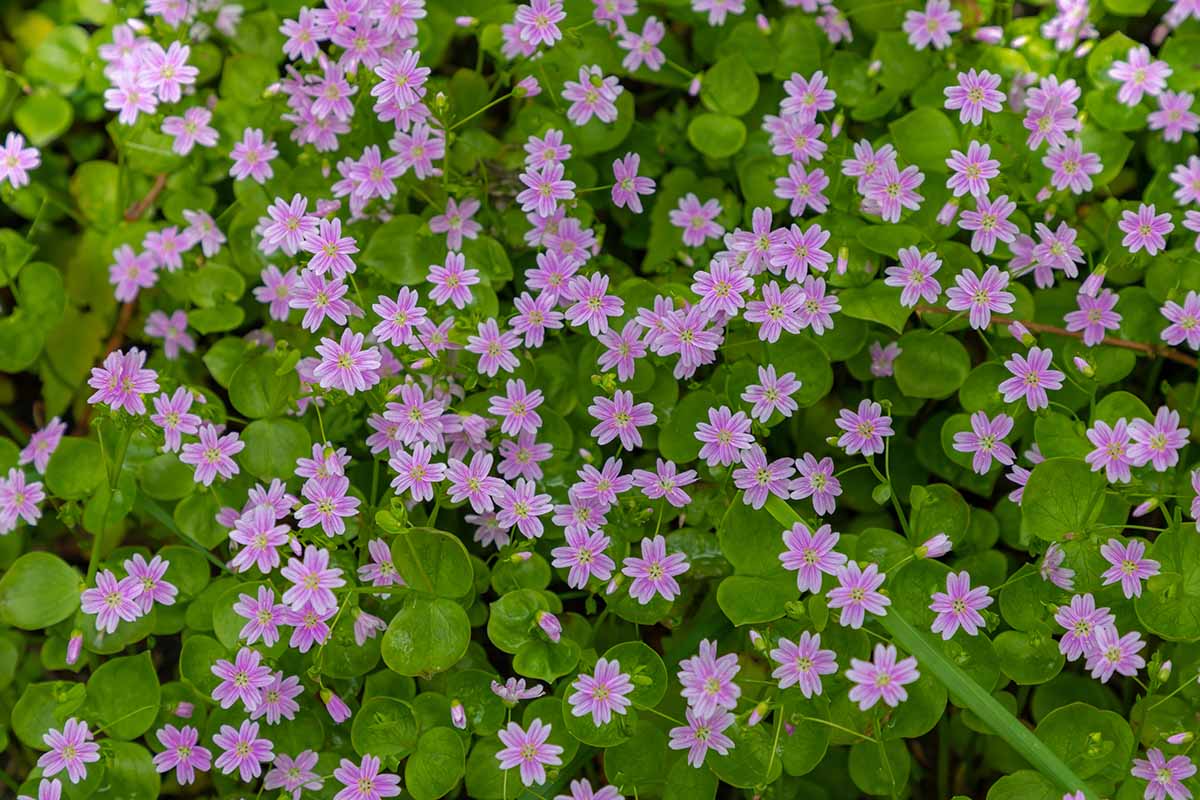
{"points": [[967, 693], [479, 111], [841, 728]]}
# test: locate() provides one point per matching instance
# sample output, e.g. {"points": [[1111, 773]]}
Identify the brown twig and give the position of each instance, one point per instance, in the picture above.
{"points": [[1152, 350], [137, 209]]}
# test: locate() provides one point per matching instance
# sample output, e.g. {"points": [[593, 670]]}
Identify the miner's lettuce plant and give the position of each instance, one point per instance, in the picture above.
{"points": [[597, 400]]}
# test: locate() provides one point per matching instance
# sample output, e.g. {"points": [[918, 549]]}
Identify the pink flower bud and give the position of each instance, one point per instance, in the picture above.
{"points": [[1043, 194], [74, 646], [527, 87], [948, 213], [1018, 331], [694, 86], [990, 34], [757, 714], [184, 710], [520, 557], [338, 710], [836, 127], [1159, 34], [843, 259], [1084, 367], [550, 625], [1020, 42], [458, 715], [789, 728], [1183, 737], [1164, 672], [464, 22], [1093, 282], [874, 68], [1145, 508], [757, 640], [763, 23], [1085, 48], [935, 547]]}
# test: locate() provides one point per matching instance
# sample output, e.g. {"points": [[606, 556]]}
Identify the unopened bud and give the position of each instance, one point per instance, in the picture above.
{"points": [[1091, 284], [184, 710], [874, 68], [1164, 672], [1145, 508], [1085, 48], [458, 714], [527, 87], [1019, 332], [843, 259], [337, 708], [550, 625], [990, 34], [74, 646], [1183, 737], [694, 86], [935, 547], [757, 639], [757, 714], [948, 213], [1043, 194], [763, 23], [836, 128], [1159, 34], [1020, 42], [520, 557], [1084, 367], [464, 22]]}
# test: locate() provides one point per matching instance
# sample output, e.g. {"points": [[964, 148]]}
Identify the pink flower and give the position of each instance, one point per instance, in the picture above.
{"points": [[520, 506], [42, 445], [856, 594], [167, 71], [702, 734], [1081, 620], [242, 679], [1031, 377], [891, 190], [584, 555], [974, 94], [724, 436], [544, 189], [1115, 653], [243, 750], [914, 276], [883, 357], [972, 171], [864, 429], [320, 298], [150, 575], [529, 749], [1094, 316], [803, 663], [252, 157], [313, 581], [818, 309], [278, 700], [536, 315], [1129, 565], [602, 693], [457, 222], [452, 281], [131, 273], [816, 480], [933, 26], [707, 680], [364, 781], [1071, 166], [213, 455], [592, 95], [70, 749], [620, 418], [1158, 443], [721, 288], [263, 616], [797, 251], [772, 393], [328, 504], [19, 498], [777, 311], [112, 601], [759, 479], [718, 9], [1111, 453], [882, 678], [981, 295], [807, 97], [1187, 178], [959, 606], [294, 775], [654, 573], [665, 482], [131, 95], [867, 161], [173, 330], [985, 441], [1051, 568], [1164, 777], [1174, 116], [1139, 75], [811, 554], [402, 80], [346, 365], [643, 48], [513, 691], [1185, 321], [1145, 229], [182, 753], [990, 223], [494, 348], [696, 220], [330, 250], [804, 189], [592, 303], [16, 160]]}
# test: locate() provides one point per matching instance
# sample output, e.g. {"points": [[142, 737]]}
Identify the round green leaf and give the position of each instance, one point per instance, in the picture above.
{"points": [[717, 135], [1062, 496], [730, 86], [272, 447], [75, 469], [125, 694], [385, 727], [37, 591], [433, 562], [427, 636], [932, 365]]}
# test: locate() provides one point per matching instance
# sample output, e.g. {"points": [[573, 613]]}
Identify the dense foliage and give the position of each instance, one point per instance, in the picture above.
{"points": [[587, 400]]}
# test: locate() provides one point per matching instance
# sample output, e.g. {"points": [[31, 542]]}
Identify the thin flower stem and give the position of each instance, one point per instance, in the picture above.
{"points": [[835, 726], [1013, 579], [594, 189], [774, 745], [123, 717], [680, 69], [664, 716], [479, 111], [1182, 685], [1111, 341]]}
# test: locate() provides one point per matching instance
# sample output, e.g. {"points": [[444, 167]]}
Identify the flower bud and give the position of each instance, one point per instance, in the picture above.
{"points": [[1043, 194], [1159, 34], [464, 22], [1084, 367], [843, 259], [1019, 332], [757, 639], [184, 710], [694, 86], [948, 213], [527, 87], [337, 708], [458, 714], [763, 23], [74, 646], [874, 68], [935, 547], [550, 625], [1085, 48], [1020, 41], [1091, 284], [1164, 672], [836, 127], [990, 34], [1145, 508], [520, 556], [1183, 737], [757, 714]]}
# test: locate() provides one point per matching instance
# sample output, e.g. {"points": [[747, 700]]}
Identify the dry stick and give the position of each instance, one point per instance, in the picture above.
{"points": [[1147, 349], [118, 334]]}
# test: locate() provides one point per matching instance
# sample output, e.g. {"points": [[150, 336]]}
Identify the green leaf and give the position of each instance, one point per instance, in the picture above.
{"points": [[1028, 658], [925, 136], [875, 302], [685, 782], [880, 768], [546, 661], [436, 766], [730, 86], [272, 447], [932, 365], [37, 591], [96, 189], [887, 240], [1062, 496], [717, 135], [196, 661], [905, 68], [1129, 8], [125, 694], [21, 340], [43, 296], [385, 727], [1091, 741], [256, 391], [512, 618], [43, 706], [752, 759], [43, 116], [401, 250], [434, 562], [427, 636], [747, 599], [968, 693], [646, 670], [75, 469], [245, 78], [1170, 603], [130, 775], [677, 441]]}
